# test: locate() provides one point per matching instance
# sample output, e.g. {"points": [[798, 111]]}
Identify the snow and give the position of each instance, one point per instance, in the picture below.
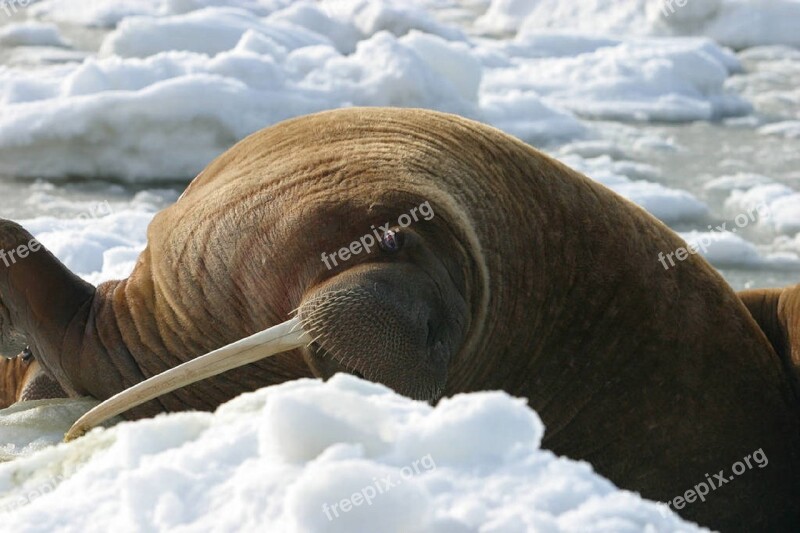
{"points": [[207, 31], [176, 110], [98, 240], [185, 84], [726, 249], [786, 128], [779, 202], [31, 34], [763, 201], [735, 23], [282, 457], [108, 13], [648, 79], [633, 181]]}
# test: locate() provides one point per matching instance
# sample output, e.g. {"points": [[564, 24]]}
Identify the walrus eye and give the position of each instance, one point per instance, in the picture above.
{"points": [[392, 241]]}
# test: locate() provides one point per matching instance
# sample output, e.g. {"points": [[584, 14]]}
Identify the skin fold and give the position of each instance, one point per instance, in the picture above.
{"points": [[529, 278]]}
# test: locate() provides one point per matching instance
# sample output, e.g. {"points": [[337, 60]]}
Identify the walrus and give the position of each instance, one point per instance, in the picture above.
{"points": [[528, 278]]}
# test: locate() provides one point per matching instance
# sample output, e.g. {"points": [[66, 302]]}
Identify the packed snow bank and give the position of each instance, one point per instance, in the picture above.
{"points": [[735, 23], [346, 455]]}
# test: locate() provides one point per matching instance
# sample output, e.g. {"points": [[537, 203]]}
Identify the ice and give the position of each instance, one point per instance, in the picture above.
{"points": [[188, 79]]}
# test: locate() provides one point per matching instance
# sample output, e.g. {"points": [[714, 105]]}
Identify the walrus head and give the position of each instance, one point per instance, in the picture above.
{"points": [[397, 319]]}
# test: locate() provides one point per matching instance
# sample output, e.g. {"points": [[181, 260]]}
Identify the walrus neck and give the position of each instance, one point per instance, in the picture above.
{"points": [[114, 343], [45, 301]]}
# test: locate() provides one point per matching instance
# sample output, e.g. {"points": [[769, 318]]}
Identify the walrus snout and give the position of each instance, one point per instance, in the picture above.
{"points": [[391, 323]]}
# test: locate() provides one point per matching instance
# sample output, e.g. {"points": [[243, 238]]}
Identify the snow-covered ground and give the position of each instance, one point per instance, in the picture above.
{"points": [[343, 456], [690, 108]]}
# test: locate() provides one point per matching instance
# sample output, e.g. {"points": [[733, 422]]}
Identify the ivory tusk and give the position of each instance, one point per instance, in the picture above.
{"points": [[277, 339]]}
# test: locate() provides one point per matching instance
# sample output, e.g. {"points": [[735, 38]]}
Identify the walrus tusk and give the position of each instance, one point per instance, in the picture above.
{"points": [[277, 339]]}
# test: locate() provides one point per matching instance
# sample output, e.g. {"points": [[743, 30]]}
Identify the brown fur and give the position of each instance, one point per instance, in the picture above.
{"points": [[658, 377]]}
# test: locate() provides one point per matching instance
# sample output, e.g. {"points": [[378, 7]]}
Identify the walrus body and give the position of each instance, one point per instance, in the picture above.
{"points": [[529, 278]]}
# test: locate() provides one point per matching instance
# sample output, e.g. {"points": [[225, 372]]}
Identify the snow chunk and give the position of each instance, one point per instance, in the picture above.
{"points": [[108, 13], [634, 182], [790, 129], [725, 249], [31, 34], [734, 23], [658, 80], [780, 204], [207, 31], [340, 456], [174, 112]]}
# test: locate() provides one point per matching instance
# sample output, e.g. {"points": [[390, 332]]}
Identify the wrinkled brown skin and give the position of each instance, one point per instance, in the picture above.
{"points": [[551, 290]]}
